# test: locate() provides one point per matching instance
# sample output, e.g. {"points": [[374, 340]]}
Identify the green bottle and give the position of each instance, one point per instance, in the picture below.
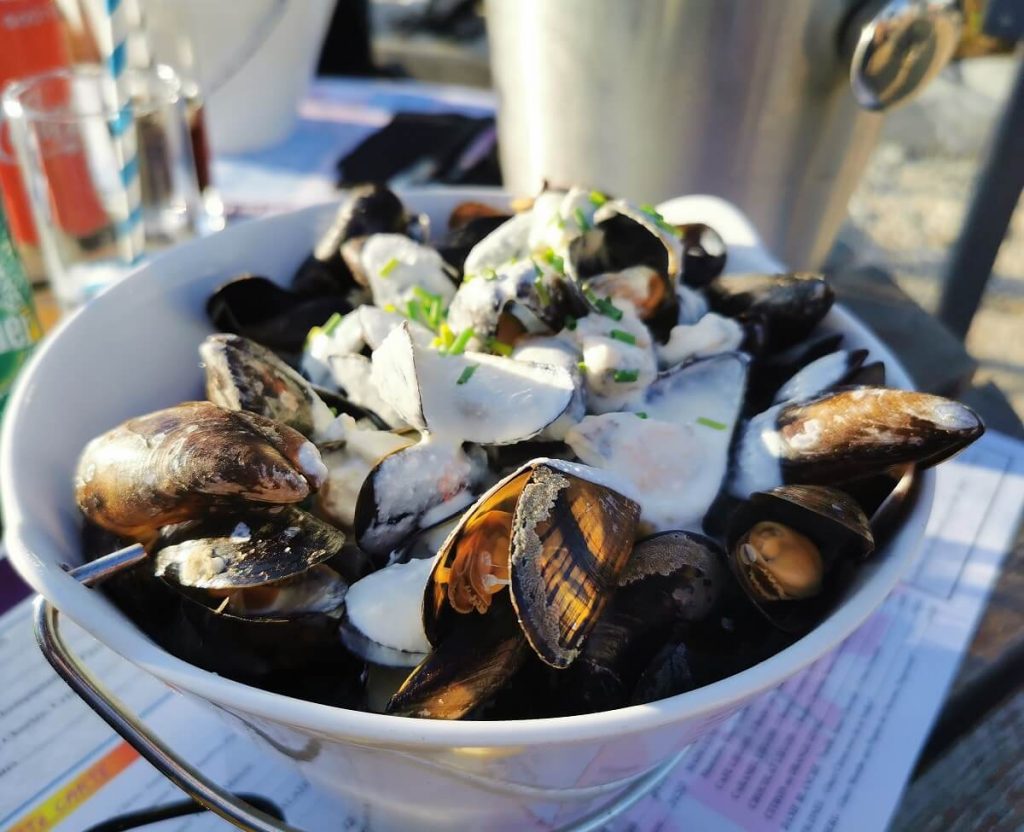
{"points": [[19, 326]]}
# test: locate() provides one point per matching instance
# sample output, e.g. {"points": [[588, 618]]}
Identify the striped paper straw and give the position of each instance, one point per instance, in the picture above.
{"points": [[131, 232]]}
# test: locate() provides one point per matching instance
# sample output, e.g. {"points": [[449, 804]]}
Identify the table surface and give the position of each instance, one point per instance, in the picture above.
{"points": [[968, 777]]}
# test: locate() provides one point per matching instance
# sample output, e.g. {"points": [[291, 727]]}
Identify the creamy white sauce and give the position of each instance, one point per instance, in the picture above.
{"points": [[385, 606], [395, 265], [757, 465], [311, 465], [692, 305], [675, 473], [815, 378], [354, 375], [557, 218], [498, 402], [604, 355], [711, 335], [509, 241]]}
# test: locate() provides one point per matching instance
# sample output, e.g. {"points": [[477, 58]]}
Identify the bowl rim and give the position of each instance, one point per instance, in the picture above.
{"points": [[97, 615]]}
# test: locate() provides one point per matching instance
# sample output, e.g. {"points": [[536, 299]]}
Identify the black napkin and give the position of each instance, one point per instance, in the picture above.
{"points": [[425, 147]]}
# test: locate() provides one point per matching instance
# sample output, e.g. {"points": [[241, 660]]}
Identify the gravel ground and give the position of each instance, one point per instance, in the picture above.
{"points": [[907, 211]]}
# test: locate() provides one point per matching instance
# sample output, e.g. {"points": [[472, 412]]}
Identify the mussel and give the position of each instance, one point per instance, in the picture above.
{"points": [[704, 254], [792, 547], [180, 463], [847, 435], [548, 543], [789, 306]]}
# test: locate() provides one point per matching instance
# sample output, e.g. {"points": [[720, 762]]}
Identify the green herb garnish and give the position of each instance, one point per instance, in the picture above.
{"points": [[332, 323], [542, 291], [499, 347], [467, 374], [582, 365], [489, 274], [581, 220], [711, 423], [625, 376], [459, 346], [608, 309], [414, 310], [641, 415], [659, 220], [625, 337], [388, 267], [445, 338], [598, 198], [556, 262], [570, 323], [389, 307]]}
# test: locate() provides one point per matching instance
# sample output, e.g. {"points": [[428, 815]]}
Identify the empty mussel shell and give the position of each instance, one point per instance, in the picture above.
{"points": [[554, 533]]}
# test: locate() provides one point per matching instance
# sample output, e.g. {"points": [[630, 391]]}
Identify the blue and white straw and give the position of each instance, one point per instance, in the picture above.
{"points": [[130, 228]]}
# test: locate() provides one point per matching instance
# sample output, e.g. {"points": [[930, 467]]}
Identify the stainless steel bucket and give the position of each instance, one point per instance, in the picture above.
{"points": [[763, 102]]}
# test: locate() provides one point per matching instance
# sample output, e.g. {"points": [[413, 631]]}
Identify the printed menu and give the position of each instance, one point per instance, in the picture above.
{"points": [[829, 751]]}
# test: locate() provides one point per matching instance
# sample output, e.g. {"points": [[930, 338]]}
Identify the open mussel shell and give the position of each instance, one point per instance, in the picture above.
{"points": [[556, 536], [242, 550], [465, 670], [177, 464], [847, 435], [269, 314], [789, 305], [625, 236], [826, 373], [672, 579], [704, 254], [368, 209], [792, 548], [771, 371], [242, 375], [414, 488]]}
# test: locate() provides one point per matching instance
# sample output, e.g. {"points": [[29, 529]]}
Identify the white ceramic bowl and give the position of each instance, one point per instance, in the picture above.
{"points": [[133, 350]]}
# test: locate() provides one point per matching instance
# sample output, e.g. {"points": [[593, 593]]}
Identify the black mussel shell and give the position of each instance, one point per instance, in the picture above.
{"points": [[789, 305], [672, 579], [770, 371], [615, 244], [369, 209], [831, 519], [704, 254], [669, 673], [456, 244], [275, 317]]}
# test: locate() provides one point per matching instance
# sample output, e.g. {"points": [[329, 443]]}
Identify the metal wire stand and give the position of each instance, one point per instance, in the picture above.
{"points": [[201, 789]]}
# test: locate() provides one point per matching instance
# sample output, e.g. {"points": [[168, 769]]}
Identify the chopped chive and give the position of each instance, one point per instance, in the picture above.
{"points": [[313, 332], [598, 198], [459, 346], [641, 415], [559, 222], [334, 411], [467, 374], [423, 294], [625, 376], [609, 309], [711, 423], [332, 323], [582, 365], [445, 337], [542, 291], [414, 310], [489, 274], [659, 220], [625, 337], [554, 260], [581, 219], [388, 267], [500, 347], [389, 307], [570, 323]]}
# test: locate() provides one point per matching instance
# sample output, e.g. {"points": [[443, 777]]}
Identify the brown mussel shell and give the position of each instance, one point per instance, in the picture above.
{"points": [[176, 464], [831, 519], [242, 375], [472, 663], [570, 541]]}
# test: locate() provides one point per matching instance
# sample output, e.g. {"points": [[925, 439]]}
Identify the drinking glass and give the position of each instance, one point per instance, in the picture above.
{"points": [[68, 128]]}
